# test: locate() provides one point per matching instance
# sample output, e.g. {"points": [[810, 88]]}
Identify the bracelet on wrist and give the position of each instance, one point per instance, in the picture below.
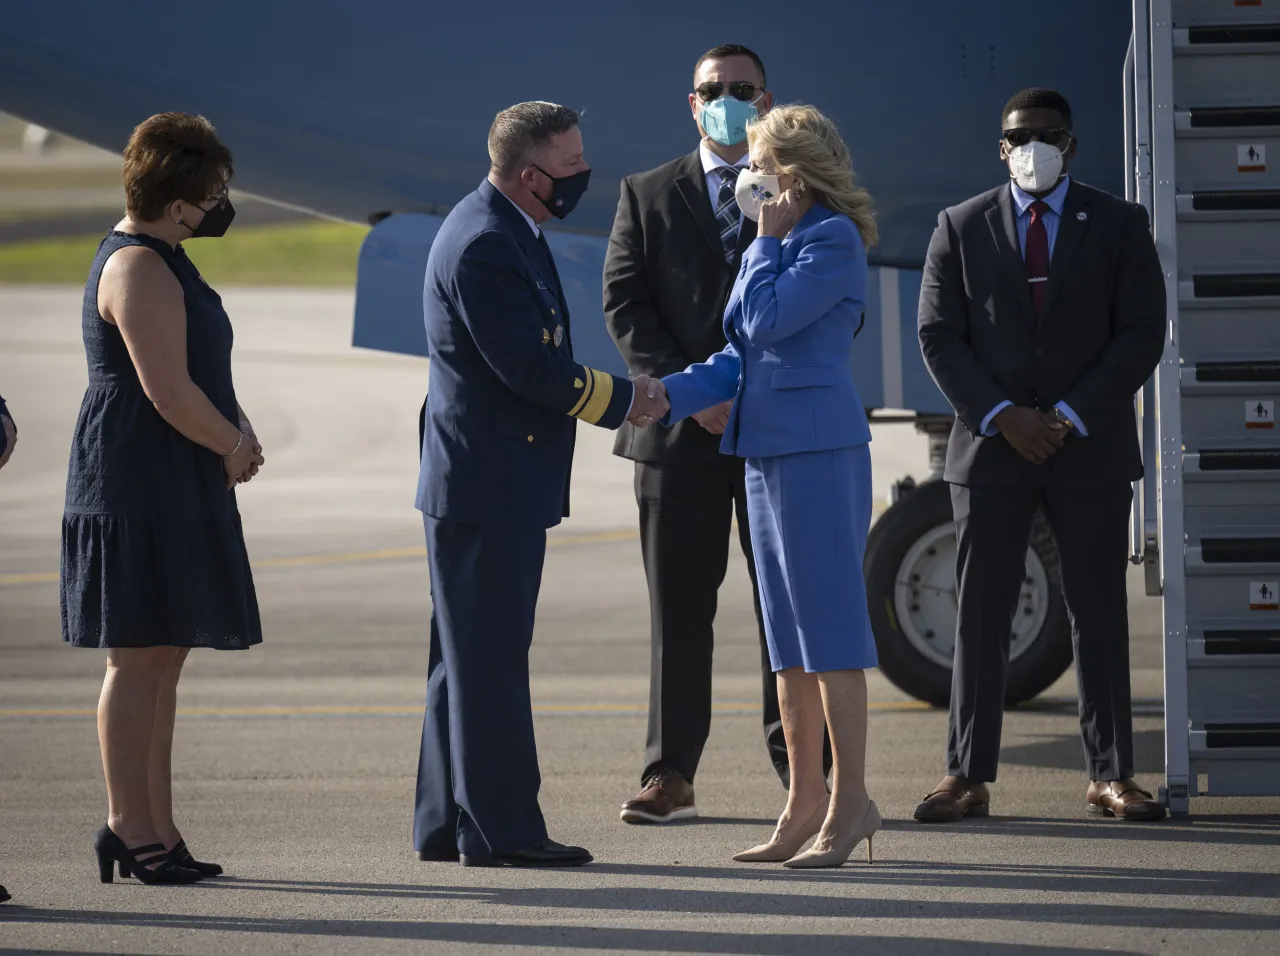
{"points": [[235, 451]]}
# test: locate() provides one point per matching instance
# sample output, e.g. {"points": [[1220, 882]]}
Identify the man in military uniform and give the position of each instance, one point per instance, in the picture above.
{"points": [[498, 438]]}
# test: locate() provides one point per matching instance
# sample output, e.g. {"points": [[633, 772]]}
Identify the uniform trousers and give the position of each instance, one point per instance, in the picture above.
{"points": [[478, 776]]}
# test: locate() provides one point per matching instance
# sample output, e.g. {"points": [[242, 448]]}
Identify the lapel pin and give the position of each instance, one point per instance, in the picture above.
{"points": [[1082, 216], [558, 337]]}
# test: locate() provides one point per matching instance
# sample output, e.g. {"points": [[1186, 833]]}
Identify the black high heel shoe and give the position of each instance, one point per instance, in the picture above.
{"points": [[180, 856], [4, 895], [155, 869]]}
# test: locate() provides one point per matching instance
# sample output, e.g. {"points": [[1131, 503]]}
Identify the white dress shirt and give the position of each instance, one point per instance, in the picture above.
{"points": [[710, 163]]}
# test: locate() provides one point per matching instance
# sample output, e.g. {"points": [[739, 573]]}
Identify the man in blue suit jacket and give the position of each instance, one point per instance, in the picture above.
{"points": [[498, 437]]}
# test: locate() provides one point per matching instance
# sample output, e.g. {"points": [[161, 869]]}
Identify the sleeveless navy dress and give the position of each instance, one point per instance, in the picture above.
{"points": [[152, 548]]}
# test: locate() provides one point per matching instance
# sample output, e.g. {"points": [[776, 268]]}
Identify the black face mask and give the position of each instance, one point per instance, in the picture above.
{"points": [[216, 221], [565, 192]]}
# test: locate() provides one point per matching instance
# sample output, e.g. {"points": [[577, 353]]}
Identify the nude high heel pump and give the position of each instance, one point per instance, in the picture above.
{"points": [[842, 846], [775, 852]]}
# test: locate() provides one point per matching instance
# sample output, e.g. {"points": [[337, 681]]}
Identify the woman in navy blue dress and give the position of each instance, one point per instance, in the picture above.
{"points": [[153, 556], [798, 421]]}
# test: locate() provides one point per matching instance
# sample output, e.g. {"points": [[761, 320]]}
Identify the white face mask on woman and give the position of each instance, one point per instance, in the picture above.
{"points": [[1035, 166], [753, 191]]}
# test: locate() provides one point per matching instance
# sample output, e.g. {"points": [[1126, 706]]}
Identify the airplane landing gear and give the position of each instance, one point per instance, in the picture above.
{"points": [[911, 592]]}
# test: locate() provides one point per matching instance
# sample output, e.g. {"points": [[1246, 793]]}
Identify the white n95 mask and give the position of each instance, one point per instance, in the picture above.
{"points": [[754, 190], [1036, 166]]}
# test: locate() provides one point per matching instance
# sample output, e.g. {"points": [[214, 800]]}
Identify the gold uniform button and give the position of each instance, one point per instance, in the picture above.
{"points": [[578, 383], [553, 311], [530, 438]]}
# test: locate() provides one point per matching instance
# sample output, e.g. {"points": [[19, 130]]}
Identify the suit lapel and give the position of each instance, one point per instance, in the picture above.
{"points": [[692, 184], [1004, 230], [1071, 228]]}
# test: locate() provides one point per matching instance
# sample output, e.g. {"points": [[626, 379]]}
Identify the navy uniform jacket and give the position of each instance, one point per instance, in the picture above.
{"points": [[505, 391]]}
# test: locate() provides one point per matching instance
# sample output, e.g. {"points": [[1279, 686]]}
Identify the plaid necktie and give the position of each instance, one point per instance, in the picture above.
{"points": [[728, 215]]}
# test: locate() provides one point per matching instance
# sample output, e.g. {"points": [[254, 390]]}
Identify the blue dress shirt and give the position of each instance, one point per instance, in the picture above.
{"points": [[1022, 201]]}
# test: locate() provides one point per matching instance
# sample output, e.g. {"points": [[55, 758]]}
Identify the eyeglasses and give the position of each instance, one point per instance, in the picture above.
{"points": [[1054, 136], [714, 89]]}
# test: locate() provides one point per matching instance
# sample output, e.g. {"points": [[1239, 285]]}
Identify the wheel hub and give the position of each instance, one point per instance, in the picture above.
{"points": [[925, 598]]}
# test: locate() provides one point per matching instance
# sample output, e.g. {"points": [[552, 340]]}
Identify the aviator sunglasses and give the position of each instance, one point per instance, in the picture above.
{"points": [[714, 89], [1054, 136]]}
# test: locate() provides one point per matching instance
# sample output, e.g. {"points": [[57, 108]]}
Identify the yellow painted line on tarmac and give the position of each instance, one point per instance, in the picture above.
{"points": [[354, 557], [362, 710], [381, 554]]}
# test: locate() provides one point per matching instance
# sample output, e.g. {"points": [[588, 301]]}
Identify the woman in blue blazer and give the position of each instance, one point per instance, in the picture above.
{"points": [[797, 419]]}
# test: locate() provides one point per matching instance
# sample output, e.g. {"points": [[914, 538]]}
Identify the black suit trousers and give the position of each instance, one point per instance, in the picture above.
{"points": [[993, 527], [686, 515]]}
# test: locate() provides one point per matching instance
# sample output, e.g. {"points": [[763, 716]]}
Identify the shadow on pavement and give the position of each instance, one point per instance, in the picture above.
{"points": [[1209, 829], [1067, 753], [570, 937]]}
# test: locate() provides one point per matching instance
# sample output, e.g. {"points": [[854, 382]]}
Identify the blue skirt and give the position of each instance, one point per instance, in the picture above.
{"points": [[809, 514]]}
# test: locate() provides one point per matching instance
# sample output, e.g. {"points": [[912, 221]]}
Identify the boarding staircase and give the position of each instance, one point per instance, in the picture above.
{"points": [[1202, 88]]}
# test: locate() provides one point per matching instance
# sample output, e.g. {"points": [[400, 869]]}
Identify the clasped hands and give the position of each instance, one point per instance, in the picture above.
{"points": [[650, 402], [1035, 435], [243, 464]]}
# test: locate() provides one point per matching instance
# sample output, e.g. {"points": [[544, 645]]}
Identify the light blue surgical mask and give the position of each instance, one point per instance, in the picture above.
{"points": [[725, 120]]}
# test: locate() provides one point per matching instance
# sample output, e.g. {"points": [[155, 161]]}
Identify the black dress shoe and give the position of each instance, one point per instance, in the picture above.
{"points": [[545, 853], [438, 856]]}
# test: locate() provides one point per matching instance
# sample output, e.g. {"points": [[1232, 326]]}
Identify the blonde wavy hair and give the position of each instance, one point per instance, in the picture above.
{"points": [[798, 140]]}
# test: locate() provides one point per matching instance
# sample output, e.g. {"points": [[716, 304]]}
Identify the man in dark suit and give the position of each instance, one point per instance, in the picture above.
{"points": [[498, 442], [1042, 312], [676, 245]]}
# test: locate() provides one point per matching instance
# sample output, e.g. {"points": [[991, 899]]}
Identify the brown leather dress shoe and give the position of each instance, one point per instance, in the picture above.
{"points": [[955, 799], [1122, 799], [666, 796]]}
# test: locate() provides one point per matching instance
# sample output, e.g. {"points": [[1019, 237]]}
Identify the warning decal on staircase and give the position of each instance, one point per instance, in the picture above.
{"points": [[1264, 595], [1259, 414], [1251, 158]]}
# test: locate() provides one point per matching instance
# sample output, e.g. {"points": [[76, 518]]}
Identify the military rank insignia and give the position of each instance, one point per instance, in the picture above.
{"points": [[558, 337]]}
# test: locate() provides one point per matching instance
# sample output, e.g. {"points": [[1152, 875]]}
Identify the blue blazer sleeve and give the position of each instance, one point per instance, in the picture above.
{"points": [[703, 385], [777, 302], [495, 302]]}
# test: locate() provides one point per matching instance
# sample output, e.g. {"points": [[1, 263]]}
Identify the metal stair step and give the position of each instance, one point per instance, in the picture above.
{"points": [[1242, 734], [1237, 34], [1228, 117], [1254, 203], [1219, 13], [1228, 461], [1236, 642]]}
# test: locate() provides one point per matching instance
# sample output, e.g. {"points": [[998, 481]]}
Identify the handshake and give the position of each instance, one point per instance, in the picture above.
{"points": [[650, 401]]}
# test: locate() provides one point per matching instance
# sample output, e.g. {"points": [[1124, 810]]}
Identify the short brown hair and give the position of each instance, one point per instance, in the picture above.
{"points": [[726, 50], [172, 156], [519, 132]]}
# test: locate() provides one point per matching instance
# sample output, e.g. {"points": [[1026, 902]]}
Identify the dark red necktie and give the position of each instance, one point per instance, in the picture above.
{"points": [[1037, 256]]}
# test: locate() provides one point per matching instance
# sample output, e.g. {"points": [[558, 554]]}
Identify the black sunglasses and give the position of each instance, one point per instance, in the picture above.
{"points": [[1054, 136], [714, 89]]}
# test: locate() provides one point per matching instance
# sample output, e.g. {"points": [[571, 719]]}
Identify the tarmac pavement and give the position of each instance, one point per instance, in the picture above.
{"points": [[295, 761]]}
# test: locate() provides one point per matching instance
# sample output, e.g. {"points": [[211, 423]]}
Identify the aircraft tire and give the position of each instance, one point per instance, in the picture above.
{"points": [[910, 576]]}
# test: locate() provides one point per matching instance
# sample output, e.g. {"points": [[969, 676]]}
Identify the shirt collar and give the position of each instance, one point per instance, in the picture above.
{"points": [[527, 218], [1056, 199], [710, 161]]}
